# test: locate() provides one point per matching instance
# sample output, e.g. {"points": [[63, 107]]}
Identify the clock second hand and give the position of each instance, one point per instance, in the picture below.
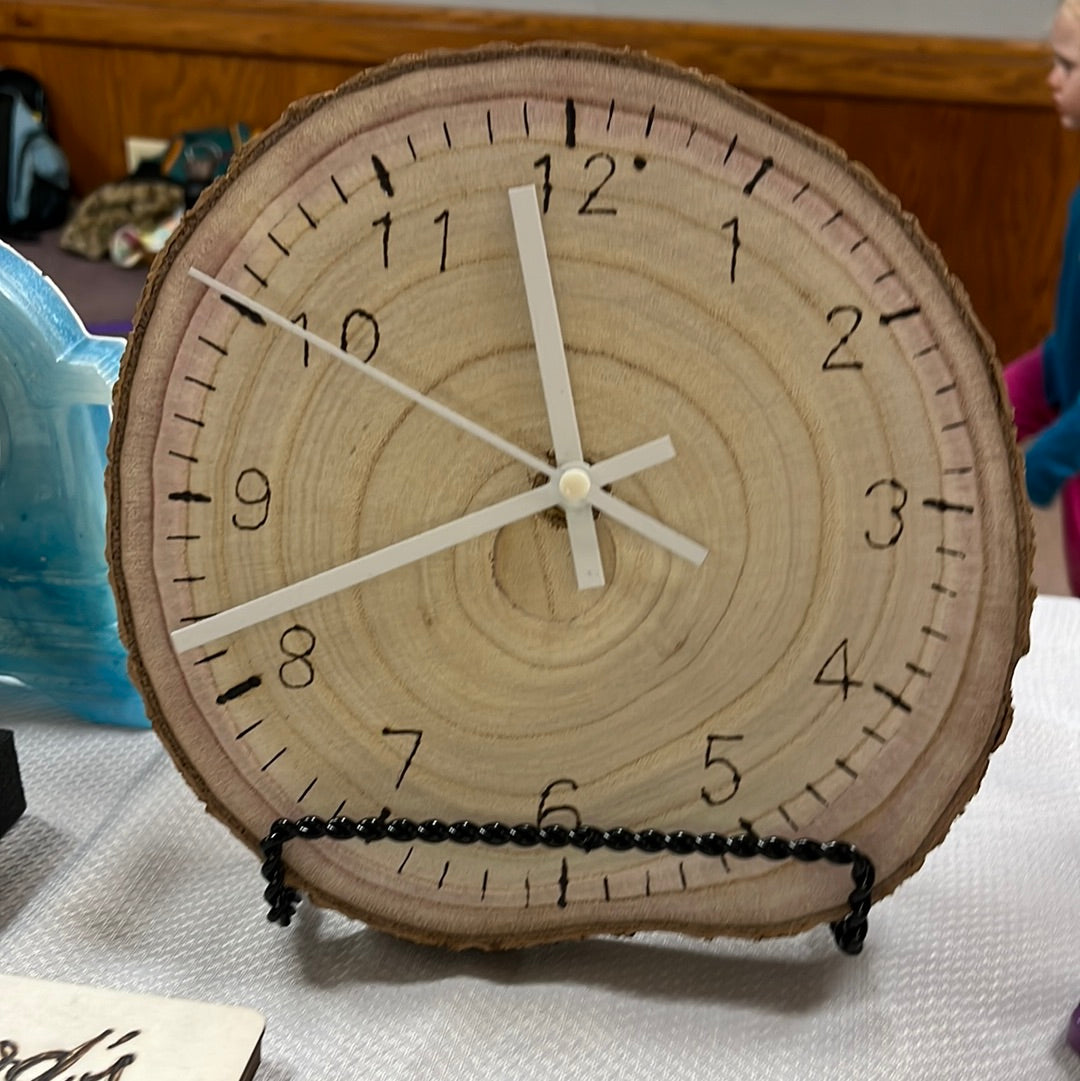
{"points": [[642, 523], [414, 548], [270, 316]]}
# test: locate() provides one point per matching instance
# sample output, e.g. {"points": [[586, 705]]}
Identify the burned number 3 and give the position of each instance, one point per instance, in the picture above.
{"points": [[888, 495]]}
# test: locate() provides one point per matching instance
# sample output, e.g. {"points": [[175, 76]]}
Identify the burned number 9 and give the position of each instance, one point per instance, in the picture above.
{"points": [[252, 490]]}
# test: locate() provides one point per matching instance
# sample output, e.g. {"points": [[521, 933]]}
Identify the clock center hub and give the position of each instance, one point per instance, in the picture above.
{"points": [[575, 483]]}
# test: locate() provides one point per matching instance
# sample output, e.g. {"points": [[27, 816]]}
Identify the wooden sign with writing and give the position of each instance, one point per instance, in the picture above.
{"points": [[55, 1031]]}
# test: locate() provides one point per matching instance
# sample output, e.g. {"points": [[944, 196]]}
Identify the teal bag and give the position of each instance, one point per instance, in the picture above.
{"points": [[195, 159], [34, 174]]}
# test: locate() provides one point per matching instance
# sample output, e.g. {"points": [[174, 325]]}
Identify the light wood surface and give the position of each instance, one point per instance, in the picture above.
{"points": [[838, 667], [60, 1029]]}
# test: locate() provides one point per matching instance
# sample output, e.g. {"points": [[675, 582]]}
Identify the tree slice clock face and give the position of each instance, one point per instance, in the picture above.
{"points": [[553, 435]]}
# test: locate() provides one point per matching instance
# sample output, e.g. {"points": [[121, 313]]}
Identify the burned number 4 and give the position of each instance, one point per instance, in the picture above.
{"points": [[835, 673]]}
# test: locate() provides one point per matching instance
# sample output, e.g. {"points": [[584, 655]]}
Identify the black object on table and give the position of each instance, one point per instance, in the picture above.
{"points": [[12, 799]]}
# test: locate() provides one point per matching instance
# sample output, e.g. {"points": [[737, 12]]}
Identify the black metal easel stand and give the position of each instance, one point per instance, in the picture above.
{"points": [[849, 931]]}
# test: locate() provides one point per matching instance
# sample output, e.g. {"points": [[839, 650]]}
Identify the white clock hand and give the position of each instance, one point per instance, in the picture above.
{"points": [[408, 551], [448, 414], [616, 508], [554, 374], [647, 526], [366, 567], [629, 462]]}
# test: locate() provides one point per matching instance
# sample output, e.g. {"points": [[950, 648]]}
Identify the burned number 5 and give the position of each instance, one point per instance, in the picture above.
{"points": [[726, 789]]}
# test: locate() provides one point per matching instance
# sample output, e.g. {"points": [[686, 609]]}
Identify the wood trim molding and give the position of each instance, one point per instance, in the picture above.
{"points": [[894, 66]]}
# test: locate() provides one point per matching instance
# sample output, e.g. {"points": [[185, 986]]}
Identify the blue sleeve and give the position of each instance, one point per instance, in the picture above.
{"points": [[1049, 348], [1054, 457]]}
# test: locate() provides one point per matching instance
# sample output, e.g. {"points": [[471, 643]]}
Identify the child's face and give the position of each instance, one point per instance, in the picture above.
{"points": [[1064, 77]]}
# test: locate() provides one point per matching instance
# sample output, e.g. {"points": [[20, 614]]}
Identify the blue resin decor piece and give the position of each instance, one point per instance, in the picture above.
{"points": [[58, 631]]}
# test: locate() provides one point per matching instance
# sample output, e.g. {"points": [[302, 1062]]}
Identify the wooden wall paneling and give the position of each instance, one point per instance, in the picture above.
{"points": [[989, 186], [181, 91], [101, 94], [960, 131], [86, 95], [891, 65]]}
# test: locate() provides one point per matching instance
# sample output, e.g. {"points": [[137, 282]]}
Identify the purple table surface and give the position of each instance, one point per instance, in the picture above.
{"points": [[103, 295]]}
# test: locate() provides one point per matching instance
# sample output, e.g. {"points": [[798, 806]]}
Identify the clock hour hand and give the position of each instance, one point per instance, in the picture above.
{"points": [[554, 374], [410, 550]]}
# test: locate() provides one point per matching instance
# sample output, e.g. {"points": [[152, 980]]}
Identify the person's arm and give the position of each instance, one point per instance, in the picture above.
{"points": [[1049, 359], [1054, 457]]}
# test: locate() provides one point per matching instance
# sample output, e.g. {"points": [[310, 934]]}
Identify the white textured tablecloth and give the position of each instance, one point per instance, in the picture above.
{"points": [[116, 877]]}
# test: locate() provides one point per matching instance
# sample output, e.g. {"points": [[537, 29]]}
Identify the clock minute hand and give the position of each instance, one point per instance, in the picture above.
{"points": [[554, 374], [410, 550], [365, 568]]}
